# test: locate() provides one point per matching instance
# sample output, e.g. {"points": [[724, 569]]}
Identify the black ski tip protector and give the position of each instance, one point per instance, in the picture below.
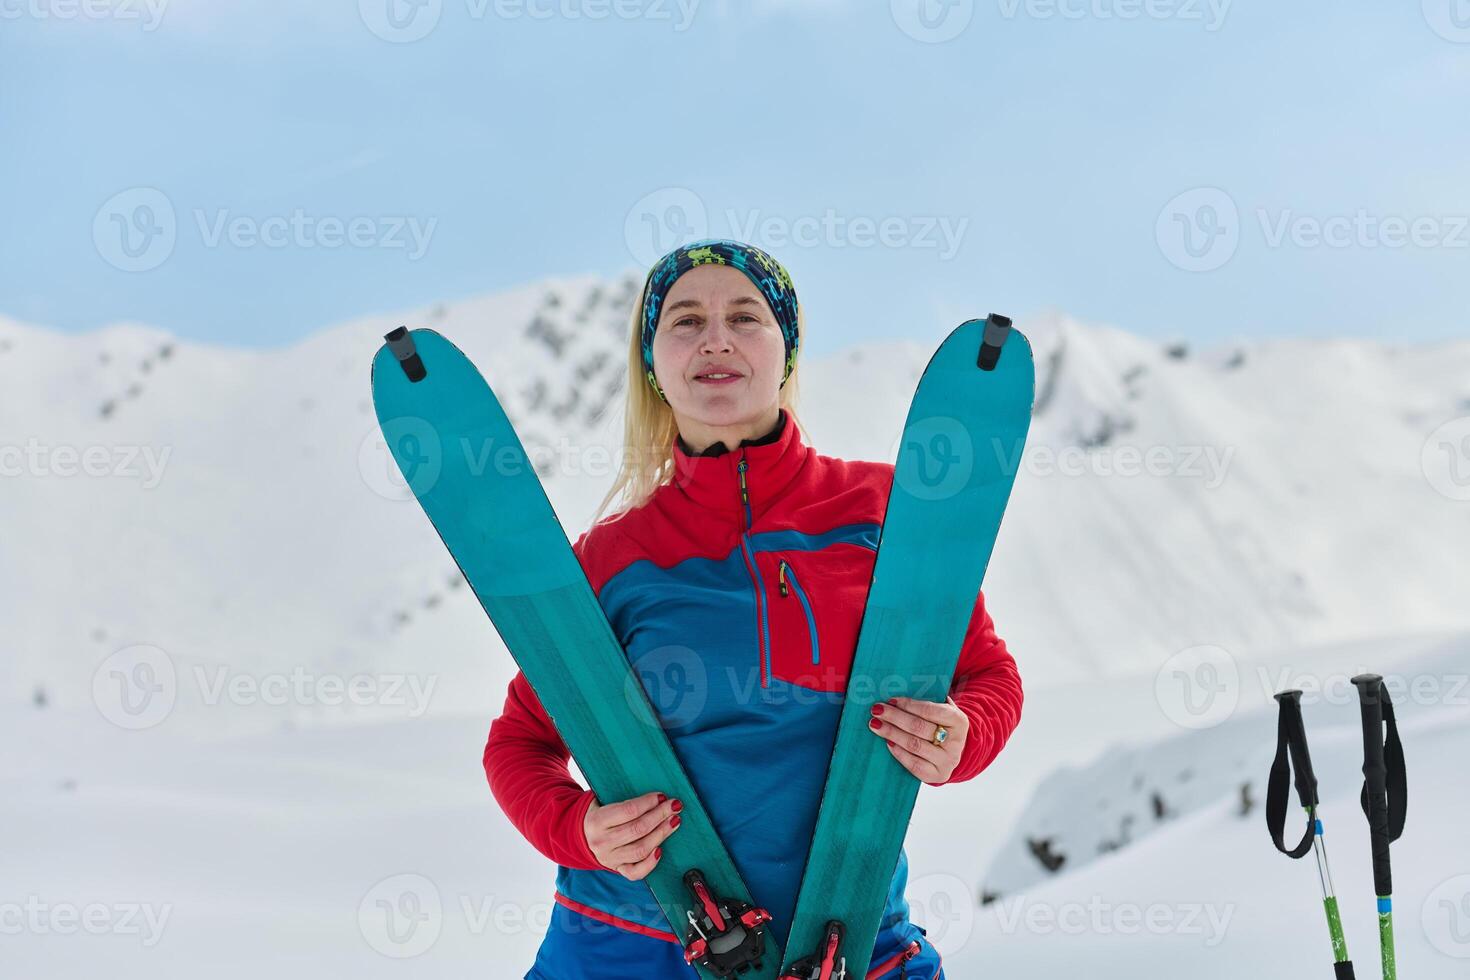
{"points": [[997, 328], [400, 342], [1343, 970]]}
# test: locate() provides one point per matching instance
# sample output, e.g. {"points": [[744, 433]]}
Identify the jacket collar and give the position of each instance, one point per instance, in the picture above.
{"points": [[712, 478]]}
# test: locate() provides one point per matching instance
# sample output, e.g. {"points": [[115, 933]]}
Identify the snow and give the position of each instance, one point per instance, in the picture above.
{"points": [[270, 852], [323, 682], [1206, 857]]}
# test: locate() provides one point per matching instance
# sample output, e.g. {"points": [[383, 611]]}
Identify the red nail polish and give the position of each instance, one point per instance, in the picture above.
{"points": [[662, 797], [875, 724], [877, 709], [674, 821], [678, 805], [658, 852]]}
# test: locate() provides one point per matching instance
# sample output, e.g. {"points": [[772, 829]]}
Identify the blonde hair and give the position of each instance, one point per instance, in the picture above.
{"points": [[649, 427]]}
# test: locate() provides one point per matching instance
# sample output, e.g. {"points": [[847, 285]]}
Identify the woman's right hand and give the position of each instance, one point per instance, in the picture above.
{"points": [[626, 836]]}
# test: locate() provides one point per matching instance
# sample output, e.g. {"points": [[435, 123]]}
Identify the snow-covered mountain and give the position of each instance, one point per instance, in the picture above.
{"points": [[239, 515], [231, 514]]}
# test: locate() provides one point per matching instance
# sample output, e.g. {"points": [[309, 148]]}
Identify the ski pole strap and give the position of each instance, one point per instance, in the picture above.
{"points": [[1395, 778], [1291, 754]]}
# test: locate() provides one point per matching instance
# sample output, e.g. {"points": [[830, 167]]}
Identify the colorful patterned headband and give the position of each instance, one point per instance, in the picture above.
{"points": [[768, 275]]}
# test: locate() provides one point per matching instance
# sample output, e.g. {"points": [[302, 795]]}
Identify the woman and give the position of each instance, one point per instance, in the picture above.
{"points": [[735, 580]]}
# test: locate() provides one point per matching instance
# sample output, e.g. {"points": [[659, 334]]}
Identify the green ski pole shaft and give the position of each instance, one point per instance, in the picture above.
{"points": [[1341, 964]]}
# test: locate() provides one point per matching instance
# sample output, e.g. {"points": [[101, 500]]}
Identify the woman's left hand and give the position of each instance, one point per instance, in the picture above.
{"points": [[908, 726]]}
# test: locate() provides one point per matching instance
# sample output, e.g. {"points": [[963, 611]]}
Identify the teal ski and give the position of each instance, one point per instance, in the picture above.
{"points": [[958, 458], [462, 459]]}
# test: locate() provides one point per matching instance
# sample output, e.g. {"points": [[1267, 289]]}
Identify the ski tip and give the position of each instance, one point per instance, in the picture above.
{"points": [[997, 328], [400, 342], [1294, 695]]}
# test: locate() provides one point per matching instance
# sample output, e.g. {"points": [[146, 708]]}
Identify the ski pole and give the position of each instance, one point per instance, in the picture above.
{"points": [[1383, 800], [1292, 754]]}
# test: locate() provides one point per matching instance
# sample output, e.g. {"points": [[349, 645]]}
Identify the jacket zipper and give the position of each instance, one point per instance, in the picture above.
{"points": [[784, 570], [760, 588], [902, 956]]}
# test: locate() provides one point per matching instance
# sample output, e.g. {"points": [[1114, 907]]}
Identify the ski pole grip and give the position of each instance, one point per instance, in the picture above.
{"points": [[1291, 756], [1375, 778], [1301, 760]]}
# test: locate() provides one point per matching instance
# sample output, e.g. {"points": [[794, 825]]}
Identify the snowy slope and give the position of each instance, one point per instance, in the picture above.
{"points": [[1143, 783], [239, 523], [1204, 893], [241, 520], [375, 850], [1209, 897]]}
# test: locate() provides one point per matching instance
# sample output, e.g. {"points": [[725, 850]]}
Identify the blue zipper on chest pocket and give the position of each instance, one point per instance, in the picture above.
{"points": [[785, 571]]}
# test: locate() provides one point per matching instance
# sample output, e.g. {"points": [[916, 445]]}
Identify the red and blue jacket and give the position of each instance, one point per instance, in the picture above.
{"points": [[737, 591]]}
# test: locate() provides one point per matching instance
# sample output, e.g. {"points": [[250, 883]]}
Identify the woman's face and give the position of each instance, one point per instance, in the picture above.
{"points": [[715, 320]]}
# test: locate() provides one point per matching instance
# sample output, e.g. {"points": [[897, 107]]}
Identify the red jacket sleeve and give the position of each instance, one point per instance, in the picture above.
{"points": [[526, 763], [987, 688]]}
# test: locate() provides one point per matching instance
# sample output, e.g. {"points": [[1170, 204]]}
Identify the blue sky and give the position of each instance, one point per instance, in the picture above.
{"points": [[247, 171]]}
